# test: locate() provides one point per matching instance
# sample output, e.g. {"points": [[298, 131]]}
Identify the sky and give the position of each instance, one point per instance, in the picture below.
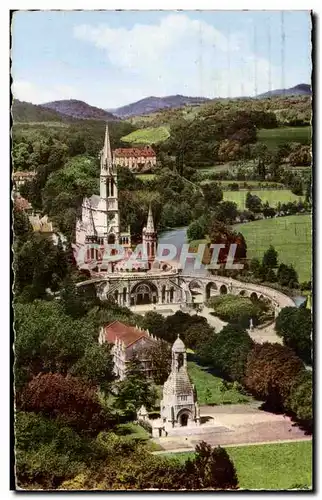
{"points": [[112, 58]]}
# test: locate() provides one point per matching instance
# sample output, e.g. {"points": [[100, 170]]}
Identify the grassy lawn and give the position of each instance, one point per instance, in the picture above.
{"points": [[275, 136], [269, 466], [216, 168], [210, 389], [291, 236], [273, 196], [145, 177], [147, 135]]}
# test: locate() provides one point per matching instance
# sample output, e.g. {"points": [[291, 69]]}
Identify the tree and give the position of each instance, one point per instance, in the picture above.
{"points": [[47, 452], [219, 233], [211, 468], [227, 351], [22, 228], [154, 322], [67, 399], [46, 339], [96, 366], [297, 186], [294, 326], [159, 355], [270, 372], [237, 310], [270, 258], [226, 212], [39, 265], [135, 390], [255, 268], [197, 333], [253, 203], [287, 276], [213, 194], [195, 231], [300, 399]]}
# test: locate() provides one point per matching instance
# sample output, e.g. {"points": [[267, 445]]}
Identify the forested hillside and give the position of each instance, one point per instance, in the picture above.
{"points": [[27, 112]]}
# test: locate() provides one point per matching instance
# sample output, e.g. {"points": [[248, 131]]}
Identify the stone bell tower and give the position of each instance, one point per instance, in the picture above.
{"points": [[179, 405], [149, 238]]}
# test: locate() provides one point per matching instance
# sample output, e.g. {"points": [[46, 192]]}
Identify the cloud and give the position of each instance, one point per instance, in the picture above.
{"points": [[38, 94], [181, 55]]}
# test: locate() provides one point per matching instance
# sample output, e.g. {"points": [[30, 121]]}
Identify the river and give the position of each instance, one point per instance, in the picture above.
{"points": [[177, 237]]}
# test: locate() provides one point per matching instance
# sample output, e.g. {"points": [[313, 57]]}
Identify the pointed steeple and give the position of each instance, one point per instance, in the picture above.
{"points": [[106, 161], [150, 223]]}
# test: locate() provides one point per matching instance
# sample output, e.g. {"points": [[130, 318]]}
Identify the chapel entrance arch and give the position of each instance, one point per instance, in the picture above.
{"points": [[144, 293]]}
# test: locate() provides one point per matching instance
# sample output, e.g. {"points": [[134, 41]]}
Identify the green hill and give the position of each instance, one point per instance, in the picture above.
{"points": [[150, 135], [290, 236], [25, 112]]}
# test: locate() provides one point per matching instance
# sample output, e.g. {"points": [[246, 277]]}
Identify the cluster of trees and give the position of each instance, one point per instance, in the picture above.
{"points": [[66, 163], [68, 408], [269, 270], [240, 310], [193, 329], [212, 136], [294, 326], [271, 372], [39, 265], [53, 456]]}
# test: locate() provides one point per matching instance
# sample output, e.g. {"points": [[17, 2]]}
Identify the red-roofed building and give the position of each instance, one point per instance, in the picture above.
{"points": [[22, 204], [128, 341], [136, 159]]}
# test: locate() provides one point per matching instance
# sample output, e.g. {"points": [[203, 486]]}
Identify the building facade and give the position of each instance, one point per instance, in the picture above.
{"points": [[19, 178], [128, 342], [135, 159]]}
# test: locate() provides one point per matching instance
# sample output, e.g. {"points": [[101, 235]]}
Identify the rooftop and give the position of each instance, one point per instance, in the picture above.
{"points": [[146, 152], [125, 333]]}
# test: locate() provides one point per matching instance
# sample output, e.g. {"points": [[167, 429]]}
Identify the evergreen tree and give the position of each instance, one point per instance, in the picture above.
{"points": [[270, 258]]}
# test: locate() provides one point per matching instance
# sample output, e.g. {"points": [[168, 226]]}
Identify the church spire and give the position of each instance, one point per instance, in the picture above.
{"points": [[106, 163], [150, 223]]}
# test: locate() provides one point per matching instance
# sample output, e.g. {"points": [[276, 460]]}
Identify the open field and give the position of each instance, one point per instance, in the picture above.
{"points": [[210, 389], [269, 466], [276, 136], [272, 196], [147, 136], [216, 168], [145, 177], [291, 236]]}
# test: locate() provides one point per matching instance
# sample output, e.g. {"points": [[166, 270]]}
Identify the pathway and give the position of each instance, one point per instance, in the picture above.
{"points": [[259, 335], [236, 425]]}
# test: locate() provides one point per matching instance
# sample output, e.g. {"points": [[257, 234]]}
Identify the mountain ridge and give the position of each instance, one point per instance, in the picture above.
{"points": [[79, 109], [153, 103]]}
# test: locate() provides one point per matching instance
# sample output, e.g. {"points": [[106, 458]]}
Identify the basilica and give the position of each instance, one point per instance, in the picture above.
{"points": [[128, 280]]}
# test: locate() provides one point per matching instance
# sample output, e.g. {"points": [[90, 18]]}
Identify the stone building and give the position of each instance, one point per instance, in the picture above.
{"points": [[100, 221], [128, 341], [135, 159], [19, 178], [179, 407]]}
